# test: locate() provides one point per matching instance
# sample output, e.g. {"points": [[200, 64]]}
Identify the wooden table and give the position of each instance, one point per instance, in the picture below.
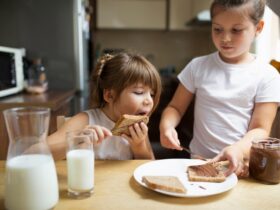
{"points": [[115, 188]]}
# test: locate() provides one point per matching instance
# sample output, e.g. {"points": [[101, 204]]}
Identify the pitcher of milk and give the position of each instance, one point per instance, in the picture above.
{"points": [[31, 179]]}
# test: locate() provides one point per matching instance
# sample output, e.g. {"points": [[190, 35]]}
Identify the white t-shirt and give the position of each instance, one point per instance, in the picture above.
{"points": [[111, 148], [225, 95]]}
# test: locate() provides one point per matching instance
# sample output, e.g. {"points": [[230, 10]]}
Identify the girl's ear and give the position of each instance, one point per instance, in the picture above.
{"points": [[108, 95], [259, 27]]}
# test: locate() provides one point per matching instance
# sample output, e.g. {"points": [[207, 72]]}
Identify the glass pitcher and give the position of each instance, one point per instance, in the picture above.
{"points": [[31, 179]]}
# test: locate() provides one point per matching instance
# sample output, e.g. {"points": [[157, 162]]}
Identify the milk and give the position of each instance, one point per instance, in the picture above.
{"points": [[80, 168], [31, 183]]}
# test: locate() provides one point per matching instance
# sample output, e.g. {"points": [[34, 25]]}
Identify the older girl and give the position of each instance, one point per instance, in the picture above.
{"points": [[236, 93]]}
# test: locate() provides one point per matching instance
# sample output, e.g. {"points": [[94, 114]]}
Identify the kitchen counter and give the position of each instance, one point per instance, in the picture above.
{"points": [[59, 101], [115, 188]]}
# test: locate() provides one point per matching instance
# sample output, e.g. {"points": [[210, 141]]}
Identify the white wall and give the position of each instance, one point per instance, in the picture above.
{"points": [[267, 44]]}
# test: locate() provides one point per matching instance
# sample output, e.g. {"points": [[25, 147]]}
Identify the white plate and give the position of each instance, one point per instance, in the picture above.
{"points": [[178, 167]]}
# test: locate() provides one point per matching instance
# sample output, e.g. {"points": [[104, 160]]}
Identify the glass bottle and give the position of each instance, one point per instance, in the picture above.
{"points": [[31, 179], [37, 78]]}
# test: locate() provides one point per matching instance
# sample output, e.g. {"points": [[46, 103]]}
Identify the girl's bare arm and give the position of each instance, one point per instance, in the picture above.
{"points": [[57, 140], [172, 115]]}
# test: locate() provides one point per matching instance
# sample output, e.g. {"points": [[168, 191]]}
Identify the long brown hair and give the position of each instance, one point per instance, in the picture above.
{"points": [[119, 71]]}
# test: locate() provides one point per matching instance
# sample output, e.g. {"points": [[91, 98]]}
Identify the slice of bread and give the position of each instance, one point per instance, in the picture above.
{"points": [[121, 126], [165, 183], [209, 172]]}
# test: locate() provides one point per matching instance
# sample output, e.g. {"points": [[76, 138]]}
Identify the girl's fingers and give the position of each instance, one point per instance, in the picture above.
{"points": [[144, 127], [138, 133], [171, 143], [140, 129], [232, 162], [98, 133]]}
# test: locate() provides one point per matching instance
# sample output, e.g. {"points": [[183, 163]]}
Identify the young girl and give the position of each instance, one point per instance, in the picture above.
{"points": [[236, 94], [121, 84]]}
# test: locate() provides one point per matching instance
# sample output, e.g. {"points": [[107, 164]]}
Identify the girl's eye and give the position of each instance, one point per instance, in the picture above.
{"points": [[236, 31], [217, 30], [138, 92]]}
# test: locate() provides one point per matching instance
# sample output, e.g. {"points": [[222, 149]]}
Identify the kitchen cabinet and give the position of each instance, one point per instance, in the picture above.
{"points": [[148, 14], [183, 11], [131, 14], [59, 101]]}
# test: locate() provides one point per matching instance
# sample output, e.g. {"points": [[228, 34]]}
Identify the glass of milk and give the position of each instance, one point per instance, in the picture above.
{"points": [[80, 163], [31, 179]]}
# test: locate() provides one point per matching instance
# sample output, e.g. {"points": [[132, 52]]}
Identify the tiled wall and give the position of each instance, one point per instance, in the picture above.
{"points": [[163, 48]]}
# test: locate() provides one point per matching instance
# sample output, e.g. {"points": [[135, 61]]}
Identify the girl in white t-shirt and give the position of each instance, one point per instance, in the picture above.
{"points": [[236, 93], [121, 84]]}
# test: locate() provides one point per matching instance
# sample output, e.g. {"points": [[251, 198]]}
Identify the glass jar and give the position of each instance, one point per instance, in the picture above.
{"points": [[37, 78], [265, 160], [31, 179]]}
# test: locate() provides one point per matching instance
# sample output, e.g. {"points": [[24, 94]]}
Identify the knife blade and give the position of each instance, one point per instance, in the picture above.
{"points": [[192, 154]]}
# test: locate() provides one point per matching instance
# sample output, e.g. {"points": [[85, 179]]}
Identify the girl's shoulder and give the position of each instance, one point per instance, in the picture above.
{"points": [[265, 69], [204, 58], [199, 64], [97, 117], [81, 118], [93, 113], [76, 122]]}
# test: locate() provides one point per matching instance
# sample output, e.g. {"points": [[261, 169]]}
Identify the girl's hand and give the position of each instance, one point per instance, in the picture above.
{"points": [[169, 139], [238, 163], [99, 133], [138, 134]]}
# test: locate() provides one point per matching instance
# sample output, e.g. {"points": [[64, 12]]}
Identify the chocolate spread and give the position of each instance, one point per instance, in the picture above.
{"points": [[265, 160], [205, 170]]}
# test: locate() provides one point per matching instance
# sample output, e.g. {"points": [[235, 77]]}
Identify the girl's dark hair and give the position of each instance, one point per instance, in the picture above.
{"points": [[119, 71], [255, 10]]}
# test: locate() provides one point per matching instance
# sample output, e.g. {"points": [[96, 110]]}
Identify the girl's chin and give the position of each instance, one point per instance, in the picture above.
{"points": [[229, 59]]}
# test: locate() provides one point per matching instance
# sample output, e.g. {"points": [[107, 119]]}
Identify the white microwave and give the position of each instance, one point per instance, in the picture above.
{"points": [[11, 71]]}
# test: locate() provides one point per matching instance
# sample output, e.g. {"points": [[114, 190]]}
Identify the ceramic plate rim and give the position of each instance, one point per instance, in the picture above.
{"points": [[194, 189]]}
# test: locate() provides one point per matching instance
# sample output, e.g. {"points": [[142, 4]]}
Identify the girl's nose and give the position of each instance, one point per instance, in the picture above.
{"points": [[226, 37], [148, 99]]}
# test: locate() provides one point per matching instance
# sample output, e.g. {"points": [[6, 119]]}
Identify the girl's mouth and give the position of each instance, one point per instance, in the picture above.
{"points": [[142, 113], [227, 47]]}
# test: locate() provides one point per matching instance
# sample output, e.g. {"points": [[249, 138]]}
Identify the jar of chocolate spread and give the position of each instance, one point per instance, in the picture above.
{"points": [[265, 160]]}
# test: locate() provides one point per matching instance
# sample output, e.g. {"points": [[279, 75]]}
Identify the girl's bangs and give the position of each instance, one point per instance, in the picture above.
{"points": [[145, 76]]}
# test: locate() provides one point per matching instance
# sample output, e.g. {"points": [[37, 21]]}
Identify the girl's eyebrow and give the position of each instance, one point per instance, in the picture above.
{"points": [[213, 23], [235, 25]]}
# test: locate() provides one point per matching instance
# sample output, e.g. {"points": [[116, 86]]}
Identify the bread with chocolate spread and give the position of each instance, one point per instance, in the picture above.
{"points": [[165, 183], [121, 126], [208, 172]]}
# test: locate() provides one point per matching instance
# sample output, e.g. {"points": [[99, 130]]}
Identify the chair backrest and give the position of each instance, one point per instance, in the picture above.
{"points": [[60, 120]]}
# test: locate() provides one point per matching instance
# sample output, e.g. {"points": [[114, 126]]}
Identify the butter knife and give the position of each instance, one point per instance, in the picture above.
{"points": [[195, 156]]}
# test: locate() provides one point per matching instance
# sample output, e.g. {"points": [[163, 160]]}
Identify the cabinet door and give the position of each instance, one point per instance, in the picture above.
{"points": [[200, 5], [182, 11], [131, 14]]}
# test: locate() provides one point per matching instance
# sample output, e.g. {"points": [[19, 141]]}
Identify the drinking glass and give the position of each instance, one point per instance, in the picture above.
{"points": [[31, 179], [80, 163]]}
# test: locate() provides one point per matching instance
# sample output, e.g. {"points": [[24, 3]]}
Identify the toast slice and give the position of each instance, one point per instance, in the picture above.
{"points": [[208, 172], [165, 183], [121, 126]]}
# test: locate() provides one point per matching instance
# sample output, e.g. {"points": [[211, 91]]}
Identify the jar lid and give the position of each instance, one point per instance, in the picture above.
{"points": [[267, 143]]}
